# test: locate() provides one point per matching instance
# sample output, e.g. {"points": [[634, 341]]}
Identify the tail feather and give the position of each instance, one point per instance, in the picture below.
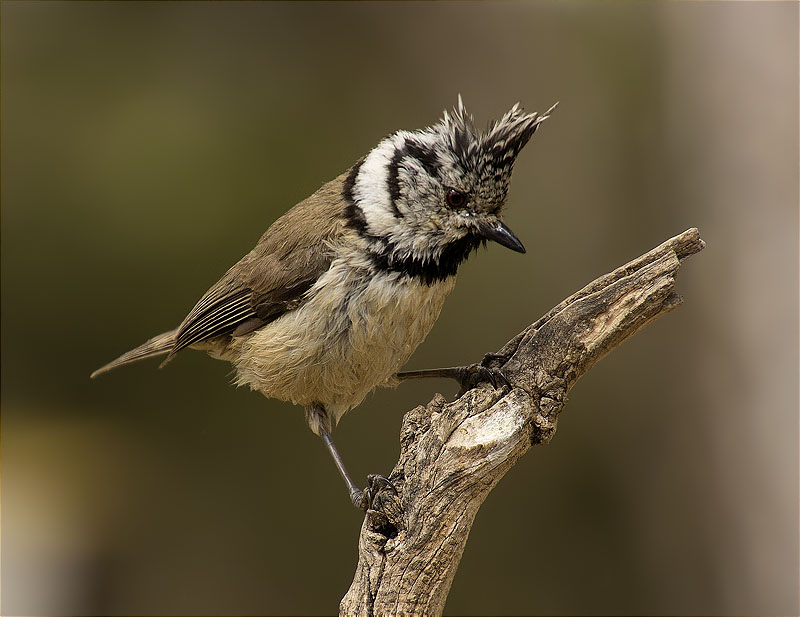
{"points": [[156, 346]]}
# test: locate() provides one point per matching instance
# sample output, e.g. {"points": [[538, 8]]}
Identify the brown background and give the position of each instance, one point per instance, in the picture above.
{"points": [[146, 146]]}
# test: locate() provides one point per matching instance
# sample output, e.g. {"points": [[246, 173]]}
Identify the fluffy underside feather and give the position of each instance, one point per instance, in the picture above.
{"points": [[353, 333]]}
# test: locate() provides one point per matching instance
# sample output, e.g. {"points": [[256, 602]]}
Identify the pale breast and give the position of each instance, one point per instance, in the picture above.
{"points": [[356, 330]]}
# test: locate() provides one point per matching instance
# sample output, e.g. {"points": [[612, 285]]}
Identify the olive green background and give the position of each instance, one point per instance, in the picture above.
{"points": [[145, 148]]}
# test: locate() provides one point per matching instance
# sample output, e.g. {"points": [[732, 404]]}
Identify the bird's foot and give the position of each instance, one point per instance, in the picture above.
{"points": [[368, 498], [470, 376], [467, 376]]}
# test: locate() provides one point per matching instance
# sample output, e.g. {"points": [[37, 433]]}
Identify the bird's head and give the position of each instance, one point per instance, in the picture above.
{"points": [[435, 194]]}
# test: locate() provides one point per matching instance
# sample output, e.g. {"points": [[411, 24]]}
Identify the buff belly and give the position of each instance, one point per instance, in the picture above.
{"points": [[352, 334]]}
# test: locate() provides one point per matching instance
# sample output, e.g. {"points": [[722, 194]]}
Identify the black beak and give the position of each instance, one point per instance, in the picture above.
{"points": [[497, 231]]}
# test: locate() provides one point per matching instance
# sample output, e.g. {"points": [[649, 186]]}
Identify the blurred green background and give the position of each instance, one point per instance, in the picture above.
{"points": [[145, 148]]}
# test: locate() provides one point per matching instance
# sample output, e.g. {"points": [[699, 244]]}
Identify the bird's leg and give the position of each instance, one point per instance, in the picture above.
{"points": [[467, 376], [320, 423], [356, 494]]}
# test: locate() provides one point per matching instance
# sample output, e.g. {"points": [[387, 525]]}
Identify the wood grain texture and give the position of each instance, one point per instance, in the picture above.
{"points": [[453, 454]]}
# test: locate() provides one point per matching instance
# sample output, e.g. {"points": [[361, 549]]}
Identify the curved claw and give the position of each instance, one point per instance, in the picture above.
{"points": [[501, 377], [474, 374], [376, 483]]}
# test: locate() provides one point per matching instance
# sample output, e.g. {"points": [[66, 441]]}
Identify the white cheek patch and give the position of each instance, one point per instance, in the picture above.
{"points": [[371, 191], [416, 232]]}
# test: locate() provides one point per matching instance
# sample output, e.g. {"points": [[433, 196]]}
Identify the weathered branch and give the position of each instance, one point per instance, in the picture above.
{"points": [[453, 454]]}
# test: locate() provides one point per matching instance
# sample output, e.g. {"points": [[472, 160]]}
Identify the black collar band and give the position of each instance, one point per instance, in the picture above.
{"points": [[386, 258]]}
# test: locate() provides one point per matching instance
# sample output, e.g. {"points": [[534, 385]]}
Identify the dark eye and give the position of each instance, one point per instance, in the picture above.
{"points": [[456, 199]]}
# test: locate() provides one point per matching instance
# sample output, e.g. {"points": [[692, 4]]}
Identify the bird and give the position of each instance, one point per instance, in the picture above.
{"points": [[342, 288]]}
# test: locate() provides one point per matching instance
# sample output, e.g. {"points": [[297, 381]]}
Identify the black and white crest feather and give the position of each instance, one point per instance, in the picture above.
{"points": [[490, 154]]}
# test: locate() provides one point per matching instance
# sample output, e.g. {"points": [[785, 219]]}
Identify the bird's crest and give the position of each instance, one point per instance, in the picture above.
{"points": [[489, 154]]}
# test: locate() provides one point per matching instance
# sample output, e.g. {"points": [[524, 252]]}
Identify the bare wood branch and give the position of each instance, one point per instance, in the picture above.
{"points": [[453, 454]]}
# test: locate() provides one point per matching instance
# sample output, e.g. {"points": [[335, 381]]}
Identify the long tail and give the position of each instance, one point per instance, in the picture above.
{"points": [[156, 346]]}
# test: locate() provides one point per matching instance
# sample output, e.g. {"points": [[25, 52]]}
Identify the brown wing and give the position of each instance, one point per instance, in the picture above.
{"points": [[272, 278]]}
